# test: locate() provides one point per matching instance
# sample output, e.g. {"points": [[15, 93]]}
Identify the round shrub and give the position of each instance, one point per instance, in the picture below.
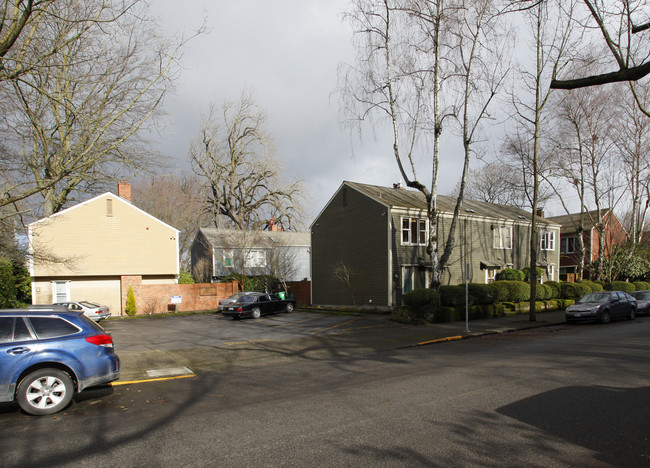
{"points": [[623, 286], [641, 285], [482, 293], [593, 286], [582, 289], [602, 284], [569, 291], [526, 270], [555, 290], [512, 291], [452, 295], [543, 292], [510, 274]]}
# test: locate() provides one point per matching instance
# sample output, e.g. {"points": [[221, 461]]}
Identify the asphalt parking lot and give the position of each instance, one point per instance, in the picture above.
{"points": [[180, 346]]}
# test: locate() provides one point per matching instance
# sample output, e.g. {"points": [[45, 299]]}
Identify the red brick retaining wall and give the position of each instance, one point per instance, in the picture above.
{"points": [[157, 298]]}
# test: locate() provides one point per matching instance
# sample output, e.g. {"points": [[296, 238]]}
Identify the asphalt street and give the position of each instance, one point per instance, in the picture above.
{"points": [[558, 395]]}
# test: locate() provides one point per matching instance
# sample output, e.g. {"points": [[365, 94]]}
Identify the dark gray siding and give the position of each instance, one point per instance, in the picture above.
{"points": [[352, 231]]}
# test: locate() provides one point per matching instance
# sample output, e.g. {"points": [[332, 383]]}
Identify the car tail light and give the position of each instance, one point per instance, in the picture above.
{"points": [[101, 340], [239, 310]]}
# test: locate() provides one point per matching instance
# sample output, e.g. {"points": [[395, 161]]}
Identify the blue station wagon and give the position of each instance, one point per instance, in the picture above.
{"points": [[48, 354]]}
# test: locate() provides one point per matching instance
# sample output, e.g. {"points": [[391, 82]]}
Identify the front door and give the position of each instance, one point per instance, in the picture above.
{"points": [[407, 278]]}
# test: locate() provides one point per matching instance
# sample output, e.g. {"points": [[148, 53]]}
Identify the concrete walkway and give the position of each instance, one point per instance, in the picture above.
{"points": [[148, 361]]}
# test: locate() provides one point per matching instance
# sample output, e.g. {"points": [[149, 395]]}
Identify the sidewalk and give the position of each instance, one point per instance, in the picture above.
{"points": [[379, 335]]}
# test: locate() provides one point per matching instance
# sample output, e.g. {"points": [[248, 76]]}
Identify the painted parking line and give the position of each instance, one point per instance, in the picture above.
{"points": [[334, 326], [130, 382]]}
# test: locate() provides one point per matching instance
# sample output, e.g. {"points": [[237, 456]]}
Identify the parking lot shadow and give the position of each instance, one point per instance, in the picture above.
{"points": [[613, 422]]}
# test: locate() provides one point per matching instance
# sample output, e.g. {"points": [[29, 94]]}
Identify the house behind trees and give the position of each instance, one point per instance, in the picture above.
{"points": [[218, 253], [369, 244]]}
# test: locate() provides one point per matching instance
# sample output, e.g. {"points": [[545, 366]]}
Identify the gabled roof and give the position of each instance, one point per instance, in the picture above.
{"points": [[98, 197], [412, 199], [570, 222], [263, 239]]}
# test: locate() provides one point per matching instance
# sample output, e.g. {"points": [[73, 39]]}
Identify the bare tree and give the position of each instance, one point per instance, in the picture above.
{"points": [[176, 200], [551, 39], [78, 120], [617, 28], [407, 53], [234, 156]]}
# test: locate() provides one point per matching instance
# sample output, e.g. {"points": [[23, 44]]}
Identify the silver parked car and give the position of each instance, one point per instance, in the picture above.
{"points": [[91, 310], [642, 301]]}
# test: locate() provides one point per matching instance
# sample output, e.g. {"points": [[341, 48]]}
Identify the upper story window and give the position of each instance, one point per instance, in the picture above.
{"points": [[568, 245], [414, 231], [547, 240], [502, 237]]}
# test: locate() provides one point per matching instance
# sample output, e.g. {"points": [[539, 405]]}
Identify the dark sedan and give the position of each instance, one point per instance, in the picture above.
{"points": [[642, 302], [257, 304], [602, 306]]}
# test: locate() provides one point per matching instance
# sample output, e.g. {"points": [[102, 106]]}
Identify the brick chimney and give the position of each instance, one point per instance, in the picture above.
{"points": [[124, 190]]}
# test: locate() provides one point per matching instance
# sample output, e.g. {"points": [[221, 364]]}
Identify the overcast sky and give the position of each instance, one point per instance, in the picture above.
{"points": [[287, 52]]}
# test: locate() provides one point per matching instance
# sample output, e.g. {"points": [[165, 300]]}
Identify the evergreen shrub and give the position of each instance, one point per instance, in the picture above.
{"points": [[421, 303], [595, 287], [641, 285], [582, 289], [569, 290], [510, 274], [130, 308], [554, 286], [452, 295], [482, 293], [622, 286], [526, 270]]}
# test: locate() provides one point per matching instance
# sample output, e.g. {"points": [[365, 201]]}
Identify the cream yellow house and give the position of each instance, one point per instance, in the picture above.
{"points": [[95, 250]]}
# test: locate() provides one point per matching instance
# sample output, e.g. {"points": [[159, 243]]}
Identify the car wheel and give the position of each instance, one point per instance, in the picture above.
{"points": [[289, 308], [605, 317], [45, 391], [256, 312], [632, 314]]}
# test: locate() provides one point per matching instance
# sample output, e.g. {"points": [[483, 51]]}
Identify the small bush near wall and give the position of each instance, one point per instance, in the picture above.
{"points": [[641, 285], [540, 273], [622, 286], [185, 278], [452, 295], [512, 291], [582, 289], [510, 274], [543, 292], [130, 308]]}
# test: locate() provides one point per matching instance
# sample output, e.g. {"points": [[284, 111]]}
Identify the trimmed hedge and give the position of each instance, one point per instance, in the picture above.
{"points": [[512, 291], [480, 293], [641, 285], [622, 286], [510, 274], [452, 295], [595, 287], [556, 291]]}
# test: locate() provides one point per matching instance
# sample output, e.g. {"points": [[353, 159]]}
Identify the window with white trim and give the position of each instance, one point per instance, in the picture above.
{"points": [[502, 237], [414, 231], [547, 241], [568, 245], [255, 259], [227, 258]]}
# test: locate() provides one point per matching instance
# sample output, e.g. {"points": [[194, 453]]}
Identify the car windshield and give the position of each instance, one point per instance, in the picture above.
{"points": [[89, 304], [247, 298], [643, 295], [598, 298]]}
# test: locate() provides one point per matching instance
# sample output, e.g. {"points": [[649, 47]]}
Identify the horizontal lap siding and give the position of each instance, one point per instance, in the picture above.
{"points": [[352, 229]]}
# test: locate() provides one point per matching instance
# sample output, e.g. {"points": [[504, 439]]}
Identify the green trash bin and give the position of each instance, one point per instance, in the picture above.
{"points": [[282, 295]]}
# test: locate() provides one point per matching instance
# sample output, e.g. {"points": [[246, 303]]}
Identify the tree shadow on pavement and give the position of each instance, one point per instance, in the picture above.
{"points": [[613, 422]]}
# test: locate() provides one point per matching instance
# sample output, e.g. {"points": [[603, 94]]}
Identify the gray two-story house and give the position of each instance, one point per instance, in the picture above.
{"points": [[217, 253], [369, 244]]}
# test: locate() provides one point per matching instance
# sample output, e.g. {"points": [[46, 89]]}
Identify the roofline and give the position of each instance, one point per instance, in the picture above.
{"points": [[90, 200]]}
